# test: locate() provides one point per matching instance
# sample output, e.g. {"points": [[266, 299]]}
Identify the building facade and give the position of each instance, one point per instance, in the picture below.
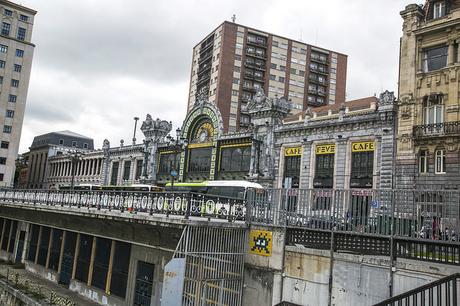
{"points": [[46, 146], [234, 61], [335, 146], [16, 51], [429, 109]]}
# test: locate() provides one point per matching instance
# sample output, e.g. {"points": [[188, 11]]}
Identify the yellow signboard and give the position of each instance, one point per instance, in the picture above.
{"points": [[260, 243], [293, 151], [365, 146], [325, 149]]}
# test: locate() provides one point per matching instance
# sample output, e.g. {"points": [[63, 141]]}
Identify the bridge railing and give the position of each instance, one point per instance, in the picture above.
{"points": [[421, 214], [186, 204]]}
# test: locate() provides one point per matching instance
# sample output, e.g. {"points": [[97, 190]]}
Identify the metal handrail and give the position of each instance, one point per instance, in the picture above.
{"points": [[436, 284]]}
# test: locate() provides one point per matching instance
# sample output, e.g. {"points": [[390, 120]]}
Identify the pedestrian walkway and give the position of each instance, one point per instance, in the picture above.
{"points": [[42, 290]]}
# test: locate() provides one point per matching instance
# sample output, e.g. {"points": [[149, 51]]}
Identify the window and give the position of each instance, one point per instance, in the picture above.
{"points": [[272, 77], [7, 12], [43, 246], [61, 141], [237, 57], [33, 242], [433, 109], [273, 66], [17, 68], [3, 49], [282, 68], [301, 73], [21, 34], [439, 9], [55, 249], [423, 161], [127, 170], [234, 92], [7, 129], [362, 165], [12, 98], [293, 71], [236, 81], [6, 27], [85, 146], [1, 79], [435, 58], [281, 79], [19, 53], [139, 164], [5, 145], [291, 171], [120, 269], [333, 70], [237, 69], [74, 143], [2, 160], [9, 113], [1, 177], [14, 83], [114, 177], [200, 160], [440, 161], [2, 64], [235, 159], [24, 18]]}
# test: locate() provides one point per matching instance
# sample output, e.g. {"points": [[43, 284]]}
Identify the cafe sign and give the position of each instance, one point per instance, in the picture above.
{"points": [[293, 151], [325, 149], [364, 146]]}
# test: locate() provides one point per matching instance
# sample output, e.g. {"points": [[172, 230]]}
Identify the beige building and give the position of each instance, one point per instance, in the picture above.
{"points": [[16, 51], [234, 61], [429, 108]]}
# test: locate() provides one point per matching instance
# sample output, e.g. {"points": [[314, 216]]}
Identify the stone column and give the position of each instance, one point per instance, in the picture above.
{"points": [[458, 51], [105, 163], [342, 163], [451, 53], [306, 165]]}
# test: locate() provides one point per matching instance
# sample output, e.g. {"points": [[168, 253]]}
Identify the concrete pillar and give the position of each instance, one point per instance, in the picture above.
{"points": [[109, 272], [50, 241], [77, 250], [61, 251], [91, 262]]}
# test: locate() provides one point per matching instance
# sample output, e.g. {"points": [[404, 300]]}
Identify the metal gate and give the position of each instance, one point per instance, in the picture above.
{"points": [[144, 284], [214, 259]]}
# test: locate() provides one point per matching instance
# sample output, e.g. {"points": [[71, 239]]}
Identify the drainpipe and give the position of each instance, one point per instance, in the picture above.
{"points": [[331, 270]]}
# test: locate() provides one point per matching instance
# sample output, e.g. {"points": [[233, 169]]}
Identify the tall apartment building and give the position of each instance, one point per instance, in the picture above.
{"points": [[428, 152], [234, 61], [16, 51]]}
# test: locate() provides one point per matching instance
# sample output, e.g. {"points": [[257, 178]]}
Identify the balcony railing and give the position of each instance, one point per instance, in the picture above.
{"points": [[437, 129]]}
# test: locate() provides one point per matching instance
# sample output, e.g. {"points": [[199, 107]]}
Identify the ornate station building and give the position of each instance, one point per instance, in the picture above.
{"points": [[335, 146]]}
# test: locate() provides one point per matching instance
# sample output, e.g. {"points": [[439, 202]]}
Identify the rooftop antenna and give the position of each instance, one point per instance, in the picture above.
{"points": [[233, 18], [301, 35]]}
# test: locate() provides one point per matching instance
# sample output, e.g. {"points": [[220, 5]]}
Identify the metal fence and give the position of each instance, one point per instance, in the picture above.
{"points": [[164, 203], [420, 214], [214, 260], [442, 292]]}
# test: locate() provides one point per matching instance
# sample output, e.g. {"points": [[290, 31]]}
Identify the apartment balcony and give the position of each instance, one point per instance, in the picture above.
{"points": [[318, 60], [257, 43], [254, 66], [204, 57], [248, 88], [317, 70], [259, 56], [437, 129], [203, 79]]}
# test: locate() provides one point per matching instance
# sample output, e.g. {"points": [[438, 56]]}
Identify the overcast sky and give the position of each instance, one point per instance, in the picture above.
{"points": [[99, 63]]}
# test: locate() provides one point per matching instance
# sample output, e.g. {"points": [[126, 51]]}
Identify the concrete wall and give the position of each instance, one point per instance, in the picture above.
{"points": [[357, 279]]}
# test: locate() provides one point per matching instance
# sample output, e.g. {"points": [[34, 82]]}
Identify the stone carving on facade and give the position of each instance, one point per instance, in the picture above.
{"points": [[308, 114], [451, 145], [387, 97], [342, 111], [154, 131]]}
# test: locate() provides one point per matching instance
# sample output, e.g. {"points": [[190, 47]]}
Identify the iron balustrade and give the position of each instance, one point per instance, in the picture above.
{"points": [[185, 204], [440, 292], [417, 214], [437, 129]]}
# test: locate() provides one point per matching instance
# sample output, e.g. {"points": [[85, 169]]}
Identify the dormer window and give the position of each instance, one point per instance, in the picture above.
{"points": [[439, 9]]}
